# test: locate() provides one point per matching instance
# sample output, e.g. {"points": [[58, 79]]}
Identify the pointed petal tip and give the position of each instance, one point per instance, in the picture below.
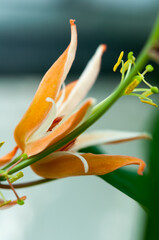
{"points": [[141, 168], [72, 22], [104, 47]]}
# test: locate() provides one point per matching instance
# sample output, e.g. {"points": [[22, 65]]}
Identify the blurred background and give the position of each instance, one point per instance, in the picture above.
{"points": [[33, 34]]}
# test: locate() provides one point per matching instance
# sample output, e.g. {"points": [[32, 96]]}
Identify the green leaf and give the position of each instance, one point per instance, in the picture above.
{"points": [[128, 182], [152, 224]]}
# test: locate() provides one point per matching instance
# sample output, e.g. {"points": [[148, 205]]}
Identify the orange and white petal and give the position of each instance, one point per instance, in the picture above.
{"points": [[64, 94], [106, 137], [54, 166], [49, 87], [63, 128], [85, 82], [9, 204], [8, 157]]}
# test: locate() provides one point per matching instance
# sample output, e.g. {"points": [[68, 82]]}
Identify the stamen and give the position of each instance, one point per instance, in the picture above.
{"points": [[154, 90], [133, 85], [126, 65], [11, 186], [148, 68], [1, 144], [149, 102], [147, 93], [55, 122], [118, 61], [4, 199]]}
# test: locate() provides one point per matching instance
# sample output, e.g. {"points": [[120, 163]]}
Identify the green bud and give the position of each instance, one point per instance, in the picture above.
{"points": [[20, 202], [154, 90], [149, 68]]}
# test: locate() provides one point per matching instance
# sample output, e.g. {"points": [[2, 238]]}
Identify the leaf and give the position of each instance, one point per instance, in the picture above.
{"points": [[128, 182], [152, 223]]}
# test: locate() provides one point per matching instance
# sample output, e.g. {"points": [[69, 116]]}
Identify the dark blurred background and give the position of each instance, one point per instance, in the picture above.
{"points": [[33, 33]]}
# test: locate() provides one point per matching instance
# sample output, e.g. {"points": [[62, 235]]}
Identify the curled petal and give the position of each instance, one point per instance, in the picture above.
{"points": [[85, 81], [106, 137], [60, 131], [49, 87], [8, 157], [53, 166]]}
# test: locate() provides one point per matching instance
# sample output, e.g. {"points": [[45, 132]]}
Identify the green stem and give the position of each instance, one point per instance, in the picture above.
{"points": [[101, 108], [11, 163]]}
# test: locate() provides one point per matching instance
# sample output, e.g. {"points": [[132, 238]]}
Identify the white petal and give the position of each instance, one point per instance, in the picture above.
{"points": [[106, 137], [60, 101], [85, 82]]}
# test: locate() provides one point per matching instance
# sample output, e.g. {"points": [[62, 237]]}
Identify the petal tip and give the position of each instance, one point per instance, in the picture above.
{"points": [[141, 168], [104, 47], [72, 22]]}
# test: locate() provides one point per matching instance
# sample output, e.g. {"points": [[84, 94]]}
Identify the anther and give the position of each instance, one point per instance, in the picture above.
{"points": [[118, 61], [133, 85], [149, 68]]}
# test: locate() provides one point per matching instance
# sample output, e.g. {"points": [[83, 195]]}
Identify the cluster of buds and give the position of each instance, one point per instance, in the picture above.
{"points": [[142, 93]]}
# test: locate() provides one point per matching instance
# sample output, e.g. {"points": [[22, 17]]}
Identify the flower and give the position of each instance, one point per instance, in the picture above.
{"points": [[55, 112]]}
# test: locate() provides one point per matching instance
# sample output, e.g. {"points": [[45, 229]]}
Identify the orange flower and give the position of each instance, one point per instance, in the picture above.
{"points": [[54, 113]]}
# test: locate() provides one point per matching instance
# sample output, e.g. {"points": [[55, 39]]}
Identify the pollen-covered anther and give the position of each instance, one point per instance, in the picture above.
{"points": [[149, 102], [118, 61], [132, 86]]}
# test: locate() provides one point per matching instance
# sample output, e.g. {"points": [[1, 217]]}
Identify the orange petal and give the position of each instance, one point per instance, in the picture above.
{"points": [[70, 165], [10, 203], [59, 132], [49, 87], [8, 157]]}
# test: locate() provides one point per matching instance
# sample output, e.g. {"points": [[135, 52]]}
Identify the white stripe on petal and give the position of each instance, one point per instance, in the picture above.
{"points": [[82, 159], [60, 101], [85, 82], [106, 137]]}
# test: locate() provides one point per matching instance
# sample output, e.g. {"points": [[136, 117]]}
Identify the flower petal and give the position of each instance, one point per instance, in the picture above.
{"points": [[85, 82], [106, 137], [49, 87], [60, 131], [8, 157], [54, 166]]}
